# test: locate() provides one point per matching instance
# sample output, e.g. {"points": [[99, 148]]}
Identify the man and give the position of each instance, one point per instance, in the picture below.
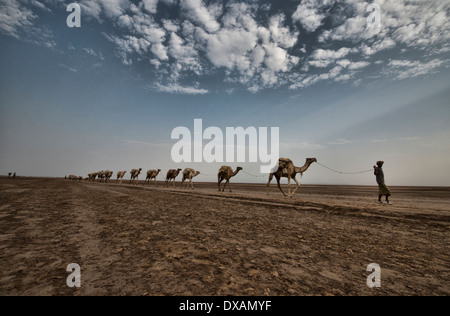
{"points": [[382, 188]]}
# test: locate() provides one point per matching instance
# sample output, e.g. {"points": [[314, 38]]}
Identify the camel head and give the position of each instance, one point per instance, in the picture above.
{"points": [[196, 173], [239, 169], [311, 160]]}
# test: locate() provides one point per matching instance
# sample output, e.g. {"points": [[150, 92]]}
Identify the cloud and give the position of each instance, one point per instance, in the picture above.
{"points": [[404, 69], [197, 12], [175, 88], [309, 14], [322, 58], [231, 48], [68, 68], [92, 52], [301, 146], [340, 142], [253, 45], [19, 21], [107, 8], [14, 17], [151, 5]]}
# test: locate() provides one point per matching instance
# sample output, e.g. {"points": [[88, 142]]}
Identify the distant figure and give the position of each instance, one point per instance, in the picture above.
{"points": [[382, 188], [14, 175], [9, 175]]}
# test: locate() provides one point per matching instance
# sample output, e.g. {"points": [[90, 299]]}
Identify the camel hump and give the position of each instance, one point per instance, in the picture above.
{"points": [[223, 169], [285, 160]]}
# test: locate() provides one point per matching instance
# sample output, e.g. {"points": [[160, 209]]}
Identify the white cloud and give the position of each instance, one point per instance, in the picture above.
{"points": [[68, 68], [404, 69], [340, 142], [253, 46], [358, 65], [308, 14], [383, 44], [150, 5], [176, 88], [322, 58], [21, 22], [293, 148], [198, 12], [277, 58], [92, 52], [281, 35], [418, 24], [231, 48], [170, 26], [14, 17], [108, 8]]}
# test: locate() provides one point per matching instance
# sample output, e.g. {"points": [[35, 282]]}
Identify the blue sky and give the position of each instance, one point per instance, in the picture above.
{"points": [[108, 95]]}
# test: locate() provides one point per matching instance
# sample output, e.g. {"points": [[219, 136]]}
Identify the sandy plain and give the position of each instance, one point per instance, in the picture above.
{"points": [[139, 240]]}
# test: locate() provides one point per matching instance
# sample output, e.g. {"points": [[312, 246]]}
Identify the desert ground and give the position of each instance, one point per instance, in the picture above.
{"points": [[136, 240]]}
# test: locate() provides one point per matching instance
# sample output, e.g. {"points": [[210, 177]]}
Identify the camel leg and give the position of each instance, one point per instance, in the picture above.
{"points": [[298, 186], [229, 185], [289, 187], [279, 186], [192, 185], [219, 180], [268, 183]]}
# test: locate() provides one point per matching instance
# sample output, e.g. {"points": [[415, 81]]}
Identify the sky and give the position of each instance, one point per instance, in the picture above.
{"points": [[108, 94]]}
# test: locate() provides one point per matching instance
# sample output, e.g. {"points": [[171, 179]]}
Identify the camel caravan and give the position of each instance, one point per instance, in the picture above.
{"points": [[285, 169]]}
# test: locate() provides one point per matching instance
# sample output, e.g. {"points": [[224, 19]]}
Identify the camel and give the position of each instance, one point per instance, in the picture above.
{"points": [[100, 176], [108, 174], [92, 176], [75, 178], [226, 173], [171, 175], [9, 175], [135, 175], [189, 173], [286, 169], [120, 175], [152, 174]]}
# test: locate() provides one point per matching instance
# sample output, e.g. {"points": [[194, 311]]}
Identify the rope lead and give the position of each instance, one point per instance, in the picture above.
{"points": [[341, 172]]}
